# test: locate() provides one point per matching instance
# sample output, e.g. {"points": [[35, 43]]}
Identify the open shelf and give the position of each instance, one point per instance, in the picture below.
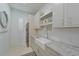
{"points": [[46, 15], [46, 21], [46, 24]]}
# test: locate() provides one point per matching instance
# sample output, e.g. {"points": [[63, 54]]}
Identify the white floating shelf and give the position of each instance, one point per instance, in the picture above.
{"points": [[46, 24]]}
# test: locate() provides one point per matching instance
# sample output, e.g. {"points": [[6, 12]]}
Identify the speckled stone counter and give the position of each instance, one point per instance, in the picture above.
{"points": [[63, 48]]}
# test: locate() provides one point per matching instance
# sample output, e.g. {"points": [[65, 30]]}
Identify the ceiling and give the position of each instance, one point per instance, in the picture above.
{"points": [[27, 7]]}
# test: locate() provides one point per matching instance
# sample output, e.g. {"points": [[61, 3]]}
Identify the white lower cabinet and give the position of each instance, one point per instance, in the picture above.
{"points": [[52, 52], [34, 46], [42, 52], [39, 51], [47, 52]]}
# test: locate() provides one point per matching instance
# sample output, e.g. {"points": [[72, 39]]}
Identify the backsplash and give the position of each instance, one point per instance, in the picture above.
{"points": [[67, 35]]}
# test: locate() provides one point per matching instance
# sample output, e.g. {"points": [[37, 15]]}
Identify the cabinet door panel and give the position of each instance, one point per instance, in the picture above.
{"points": [[58, 15], [37, 20], [67, 19], [52, 52], [72, 15]]}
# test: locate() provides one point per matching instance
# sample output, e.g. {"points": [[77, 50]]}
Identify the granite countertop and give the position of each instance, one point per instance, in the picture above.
{"points": [[63, 48]]}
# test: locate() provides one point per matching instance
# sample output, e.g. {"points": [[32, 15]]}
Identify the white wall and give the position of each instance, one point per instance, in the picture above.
{"points": [[18, 37], [5, 37]]}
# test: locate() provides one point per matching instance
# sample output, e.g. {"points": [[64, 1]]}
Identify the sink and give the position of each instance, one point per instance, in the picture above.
{"points": [[42, 42]]}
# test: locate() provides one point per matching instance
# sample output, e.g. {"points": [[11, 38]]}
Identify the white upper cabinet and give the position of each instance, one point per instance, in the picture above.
{"points": [[63, 15], [57, 13], [37, 20], [57, 17], [71, 15]]}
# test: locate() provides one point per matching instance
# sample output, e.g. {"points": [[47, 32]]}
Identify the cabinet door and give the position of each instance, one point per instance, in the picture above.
{"points": [[71, 14], [57, 10], [34, 46], [37, 20], [52, 52], [41, 52]]}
